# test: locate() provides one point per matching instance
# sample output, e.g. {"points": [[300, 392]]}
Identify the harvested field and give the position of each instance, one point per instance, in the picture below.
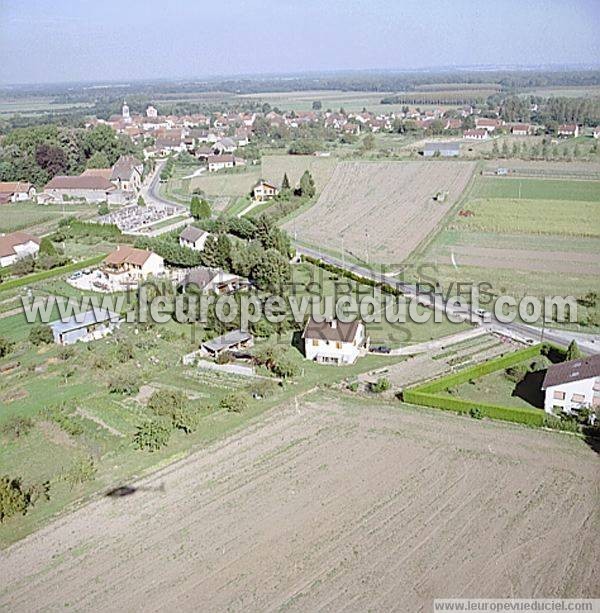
{"points": [[392, 201], [330, 506]]}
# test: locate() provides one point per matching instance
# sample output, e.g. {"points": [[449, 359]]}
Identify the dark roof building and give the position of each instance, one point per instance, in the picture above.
{"points": [[573, 370]]}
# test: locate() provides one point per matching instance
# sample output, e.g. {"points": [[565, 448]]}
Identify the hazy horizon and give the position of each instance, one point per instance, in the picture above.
{"points": [[44, 42]]}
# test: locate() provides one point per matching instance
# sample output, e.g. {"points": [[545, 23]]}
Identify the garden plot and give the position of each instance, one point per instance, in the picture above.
{"points": [[383, 210]]}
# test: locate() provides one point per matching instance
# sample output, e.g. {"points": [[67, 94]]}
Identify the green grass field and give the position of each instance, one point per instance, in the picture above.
{"points": [[24, 215], [536, 189]]}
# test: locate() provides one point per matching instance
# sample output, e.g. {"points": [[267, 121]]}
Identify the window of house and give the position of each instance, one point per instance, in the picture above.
{"points": [[577, 398], [559, 395], [338, 345], [315, 342]]}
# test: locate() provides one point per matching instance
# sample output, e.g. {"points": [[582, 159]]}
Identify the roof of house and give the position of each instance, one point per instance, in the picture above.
{"points": [[191, 233], [475, 132], [124, 254], [268, 182], [97, 172], [14, 186], [573, 370], [8, 242], [123, 167], [333, 330], [83, 181], [568, 127], [227, 341], [448, 146], [201, 276], [216, 159], [82, 320]]}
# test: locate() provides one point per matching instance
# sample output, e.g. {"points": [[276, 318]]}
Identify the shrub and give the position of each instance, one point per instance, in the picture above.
{"points": [[173, 406], [558, 423], [16, 427], [381, 385], [124, 383], [476, 413], [516, 373], [353, 387], [151, 436], [125, 351], [65, 352], [13, 498], [41, 334], [262, 388], [234, 403], [6, 346], [80, 471], [223, 358]]}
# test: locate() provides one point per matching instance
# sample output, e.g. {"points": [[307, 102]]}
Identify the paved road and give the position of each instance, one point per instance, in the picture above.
{"points": [[150, 191], [589, 343]]}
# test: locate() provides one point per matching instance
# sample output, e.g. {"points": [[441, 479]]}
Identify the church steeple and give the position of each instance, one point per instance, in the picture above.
{"points": [[125, 110]]}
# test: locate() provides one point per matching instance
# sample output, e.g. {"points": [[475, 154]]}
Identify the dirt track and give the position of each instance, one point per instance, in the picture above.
{"points": [[331, 506]]}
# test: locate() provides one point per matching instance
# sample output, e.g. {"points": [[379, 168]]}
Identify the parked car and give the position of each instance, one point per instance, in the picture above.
{"points": [[380, 349]]}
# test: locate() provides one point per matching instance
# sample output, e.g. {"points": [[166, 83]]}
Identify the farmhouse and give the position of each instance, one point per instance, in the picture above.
{"points": [[573, 385], [16, 246], [568, 129], [264, 190], [128, 264], [92, 188], [193, 238], [236, 339], [451, 149], [477, 134], [127, 173], [88, 326], [520, 129], [206, 280], [333, 341], [16, 191], [218, 162], [487, 124]]}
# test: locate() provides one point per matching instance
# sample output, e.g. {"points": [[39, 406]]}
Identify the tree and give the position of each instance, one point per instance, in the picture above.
{"points": [[41, 334], [200, 208], [285, 183], [141, 201], [368, 143], [98, 160], [52, 159], [573, 351], [217, 252], [307, 185], [234, 403], [316, 105], [272, 271]]}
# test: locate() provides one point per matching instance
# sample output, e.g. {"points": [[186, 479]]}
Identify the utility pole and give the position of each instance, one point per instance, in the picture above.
{"points": [[343, 253], [367, 243]]}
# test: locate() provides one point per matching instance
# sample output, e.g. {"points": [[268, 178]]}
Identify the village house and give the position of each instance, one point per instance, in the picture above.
{"points": [[151, 112], [218, 162], [520, 129], [573, 385], [477, 134], [84, 327], [334, 341], [487, 124], [127, 173], [569, 130], [193, 238], [90, 187], [264, 190], [16, 191], [130, 265], [17, 245], [231, 341], [206, 280], [453, 124], [225, 145]]}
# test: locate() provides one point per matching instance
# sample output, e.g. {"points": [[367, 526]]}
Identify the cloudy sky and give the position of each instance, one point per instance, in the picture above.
{"points": [[83, 40]]}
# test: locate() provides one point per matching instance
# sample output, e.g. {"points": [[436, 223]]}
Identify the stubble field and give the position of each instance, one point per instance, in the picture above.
{"points": [[330, 505], [387, 205]]}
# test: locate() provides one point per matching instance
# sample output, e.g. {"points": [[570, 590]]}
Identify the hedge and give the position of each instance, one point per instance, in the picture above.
{"points": [[385, 287], [425, 394], [479, 370], [53, 272], [531, 417]]}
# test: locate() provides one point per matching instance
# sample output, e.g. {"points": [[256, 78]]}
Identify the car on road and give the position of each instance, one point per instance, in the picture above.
{"points": [[380, 349]]}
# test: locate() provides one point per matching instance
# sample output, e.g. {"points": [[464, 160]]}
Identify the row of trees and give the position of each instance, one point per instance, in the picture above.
{"points": [[38, 153]]}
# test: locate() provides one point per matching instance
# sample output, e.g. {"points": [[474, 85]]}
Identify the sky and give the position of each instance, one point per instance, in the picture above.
{"points": [[46, 41]]}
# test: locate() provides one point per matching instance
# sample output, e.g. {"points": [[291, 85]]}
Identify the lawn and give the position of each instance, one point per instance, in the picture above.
{"points": [[538, 189]]}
